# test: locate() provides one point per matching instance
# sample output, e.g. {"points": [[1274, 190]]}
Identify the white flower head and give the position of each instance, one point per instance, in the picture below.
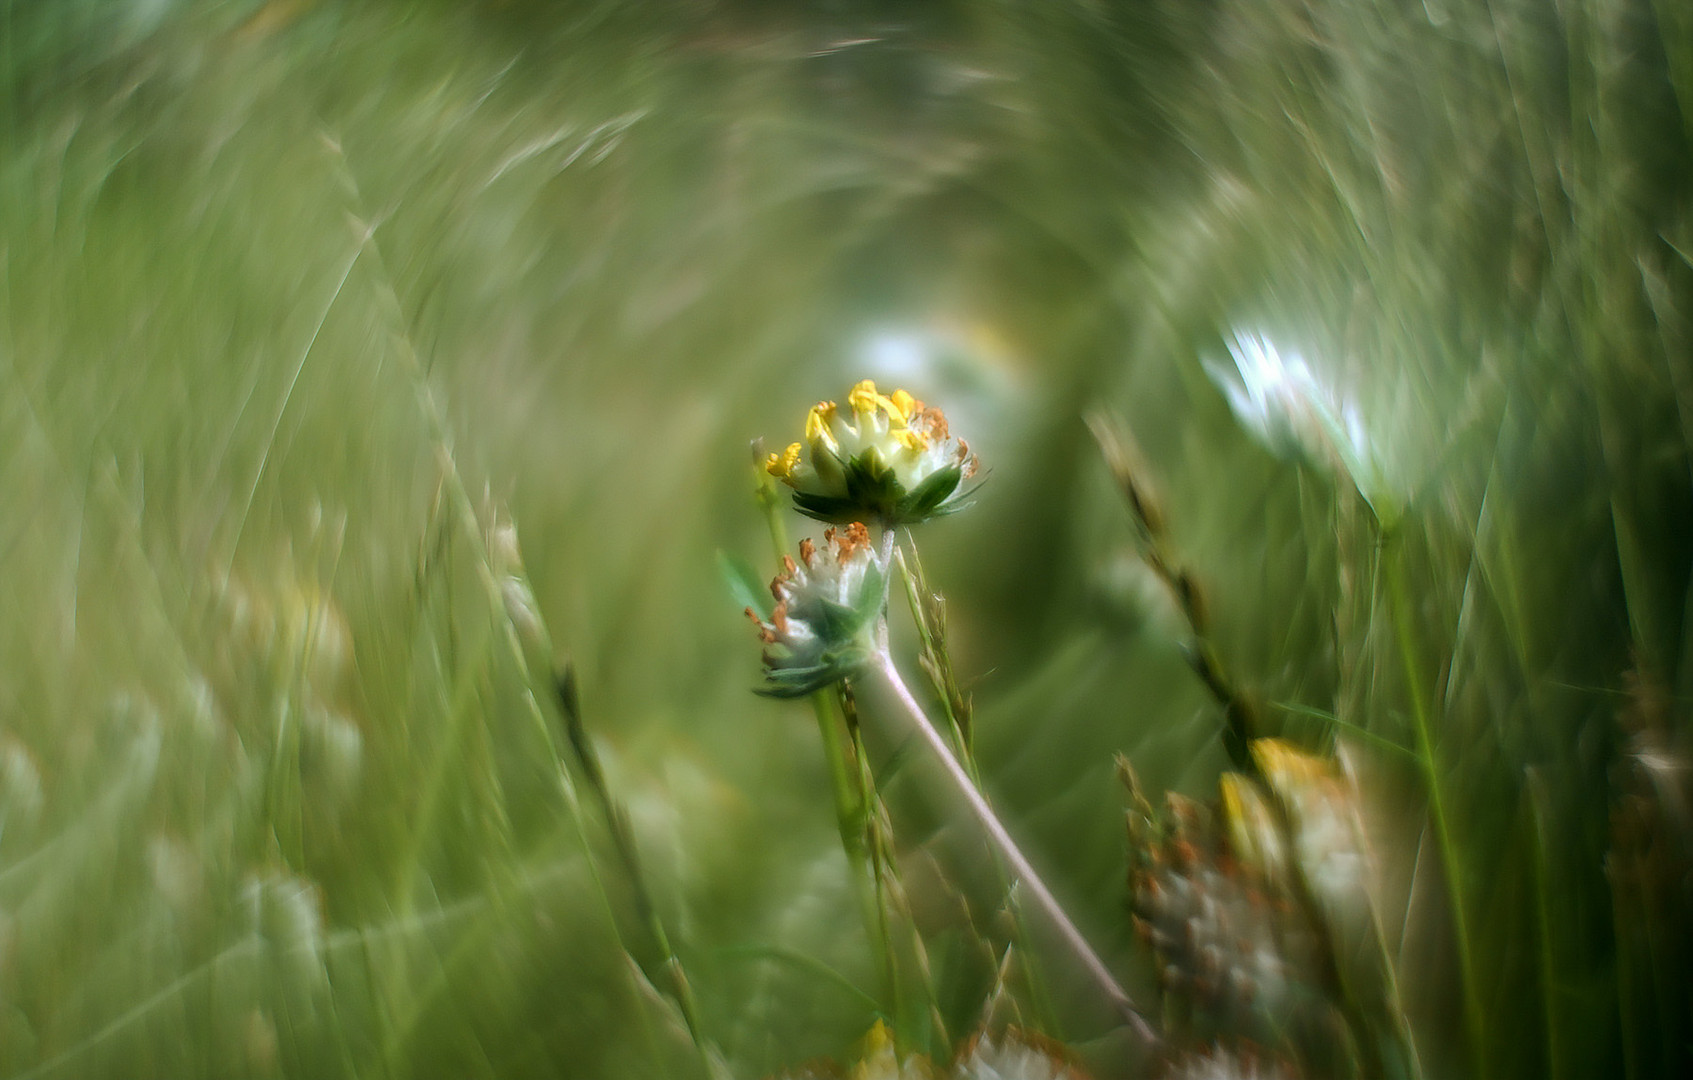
{"points": [[1276, 396], [1321, 805], [1218, 1063], [822, 627]]}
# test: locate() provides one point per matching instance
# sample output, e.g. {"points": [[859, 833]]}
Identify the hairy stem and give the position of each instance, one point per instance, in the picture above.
{"points": [[955, 708], [1013, 856]]}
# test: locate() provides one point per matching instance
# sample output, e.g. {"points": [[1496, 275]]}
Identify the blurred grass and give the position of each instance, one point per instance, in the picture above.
{"points": [[280, 278]]}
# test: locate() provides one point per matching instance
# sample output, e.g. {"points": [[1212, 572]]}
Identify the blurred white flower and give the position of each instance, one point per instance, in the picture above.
{"points": [[1014, 1056], [1276, 396], [1220, 1064], [1273, 395]]}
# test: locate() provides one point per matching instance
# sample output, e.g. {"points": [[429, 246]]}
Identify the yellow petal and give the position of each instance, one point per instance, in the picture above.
{"points": [[1252, 829], [905, 405], [1287, 767], [864, 400], [912, 440], [863, 397], [817, 423], [783, 467]]}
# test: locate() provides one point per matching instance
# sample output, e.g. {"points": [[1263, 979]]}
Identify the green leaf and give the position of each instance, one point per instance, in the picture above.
{"points": [[744, 584], [801, 681]]}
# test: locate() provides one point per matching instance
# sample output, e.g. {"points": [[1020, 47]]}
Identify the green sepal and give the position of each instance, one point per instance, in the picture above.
{"points": [[926, 498], [803, 681], [875, 494], [829, 509], [795, 682], [869, 480], [834, 622]]}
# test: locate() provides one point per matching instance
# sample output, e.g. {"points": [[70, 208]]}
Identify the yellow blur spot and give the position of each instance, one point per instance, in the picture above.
{"points": [[1234, 810], [880, 1059], [1252, 829], [1283, 764]]}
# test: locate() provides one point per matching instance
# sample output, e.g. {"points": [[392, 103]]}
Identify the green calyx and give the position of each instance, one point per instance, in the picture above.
{"points": [[874, 493]]}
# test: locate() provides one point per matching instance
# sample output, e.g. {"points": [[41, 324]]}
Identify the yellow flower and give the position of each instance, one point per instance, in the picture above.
{"points": [[889, 459], [1323, 838]]}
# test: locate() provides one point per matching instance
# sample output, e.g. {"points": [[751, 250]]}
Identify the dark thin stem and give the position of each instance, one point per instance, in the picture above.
{"points": [[623, 841], [1240, 724]]}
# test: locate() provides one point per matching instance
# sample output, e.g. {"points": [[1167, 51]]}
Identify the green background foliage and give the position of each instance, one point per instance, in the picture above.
{"points": [[303, 303]]}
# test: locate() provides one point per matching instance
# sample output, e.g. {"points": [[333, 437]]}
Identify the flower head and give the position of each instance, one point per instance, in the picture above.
{"points": [[1279, 399], [886, 458], [821, 629], [1328, 833]]}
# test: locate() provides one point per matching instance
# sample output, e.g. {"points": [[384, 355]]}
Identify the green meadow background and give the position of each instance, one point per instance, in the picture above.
{"points": [[344, 346]]}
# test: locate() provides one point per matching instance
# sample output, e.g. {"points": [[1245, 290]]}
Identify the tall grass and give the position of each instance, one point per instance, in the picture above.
{"points": [[304, 304]]}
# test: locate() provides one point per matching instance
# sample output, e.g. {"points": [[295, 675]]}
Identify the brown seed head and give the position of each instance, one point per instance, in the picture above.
{"points": [[851, 539]]}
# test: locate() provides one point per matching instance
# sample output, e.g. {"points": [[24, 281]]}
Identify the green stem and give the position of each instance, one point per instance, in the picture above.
{"points": [[852, 817], [934, 652], [880, 855], [1239, 723], [628, 856], [1451, 869], [850, 811], [1543, 912]]}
